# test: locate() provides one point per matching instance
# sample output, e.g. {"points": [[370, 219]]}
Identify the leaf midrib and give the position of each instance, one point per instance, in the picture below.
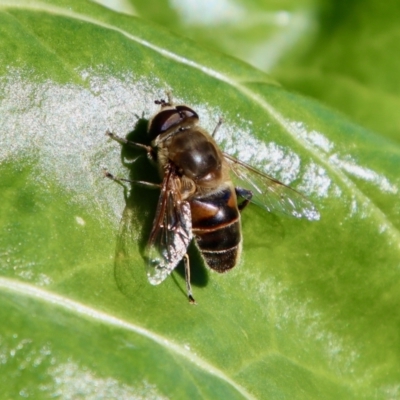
{"points": [[24, 289]]}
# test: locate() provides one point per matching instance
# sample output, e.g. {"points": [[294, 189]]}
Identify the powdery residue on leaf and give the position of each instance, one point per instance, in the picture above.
{"points": [[72, 381]]}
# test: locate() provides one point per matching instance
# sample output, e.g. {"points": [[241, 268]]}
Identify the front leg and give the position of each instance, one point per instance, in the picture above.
{"points": [[149, 150], [219, 123], [120, 180]]}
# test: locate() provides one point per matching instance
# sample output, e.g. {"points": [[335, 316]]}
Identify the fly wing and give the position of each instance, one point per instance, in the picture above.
{"points": [[172, 230], [269, 193]]}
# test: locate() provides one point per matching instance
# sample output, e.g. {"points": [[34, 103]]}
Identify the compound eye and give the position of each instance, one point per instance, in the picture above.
{"points": [[187, 112], [163, 121], [178, 117]]}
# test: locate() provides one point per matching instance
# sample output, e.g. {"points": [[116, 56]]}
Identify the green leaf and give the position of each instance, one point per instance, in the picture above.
{"points": [[345, 54], [258, 32], [310, 312], [353, 64]]}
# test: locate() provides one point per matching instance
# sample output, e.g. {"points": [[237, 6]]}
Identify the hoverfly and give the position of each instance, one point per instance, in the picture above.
{"points": [[198, 198]]}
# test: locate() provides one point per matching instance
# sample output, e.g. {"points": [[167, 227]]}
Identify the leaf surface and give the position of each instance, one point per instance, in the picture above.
{"points": [[310, 312]]}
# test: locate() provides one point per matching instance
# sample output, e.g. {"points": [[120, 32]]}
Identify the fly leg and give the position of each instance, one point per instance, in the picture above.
{"points": [[246, 195], [149, 150], [219, 123], [120, 180], [187, 279]]}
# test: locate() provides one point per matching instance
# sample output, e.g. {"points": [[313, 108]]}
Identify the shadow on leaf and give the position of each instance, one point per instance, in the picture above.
{"points": [[137, 221]]}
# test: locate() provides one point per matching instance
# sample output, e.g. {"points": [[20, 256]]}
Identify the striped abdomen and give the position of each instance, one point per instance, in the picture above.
{"points": [[216, 227]]}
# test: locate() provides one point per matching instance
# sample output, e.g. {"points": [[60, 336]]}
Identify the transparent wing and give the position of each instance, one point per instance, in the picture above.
{"points": [[269, 193], [172, 230]]}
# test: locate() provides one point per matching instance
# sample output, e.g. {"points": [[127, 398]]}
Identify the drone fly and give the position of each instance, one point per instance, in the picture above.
{"points": [[197, 196]]}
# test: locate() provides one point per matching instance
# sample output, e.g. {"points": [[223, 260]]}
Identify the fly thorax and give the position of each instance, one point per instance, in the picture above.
{"points": [[162, 157], [196, 156]]}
